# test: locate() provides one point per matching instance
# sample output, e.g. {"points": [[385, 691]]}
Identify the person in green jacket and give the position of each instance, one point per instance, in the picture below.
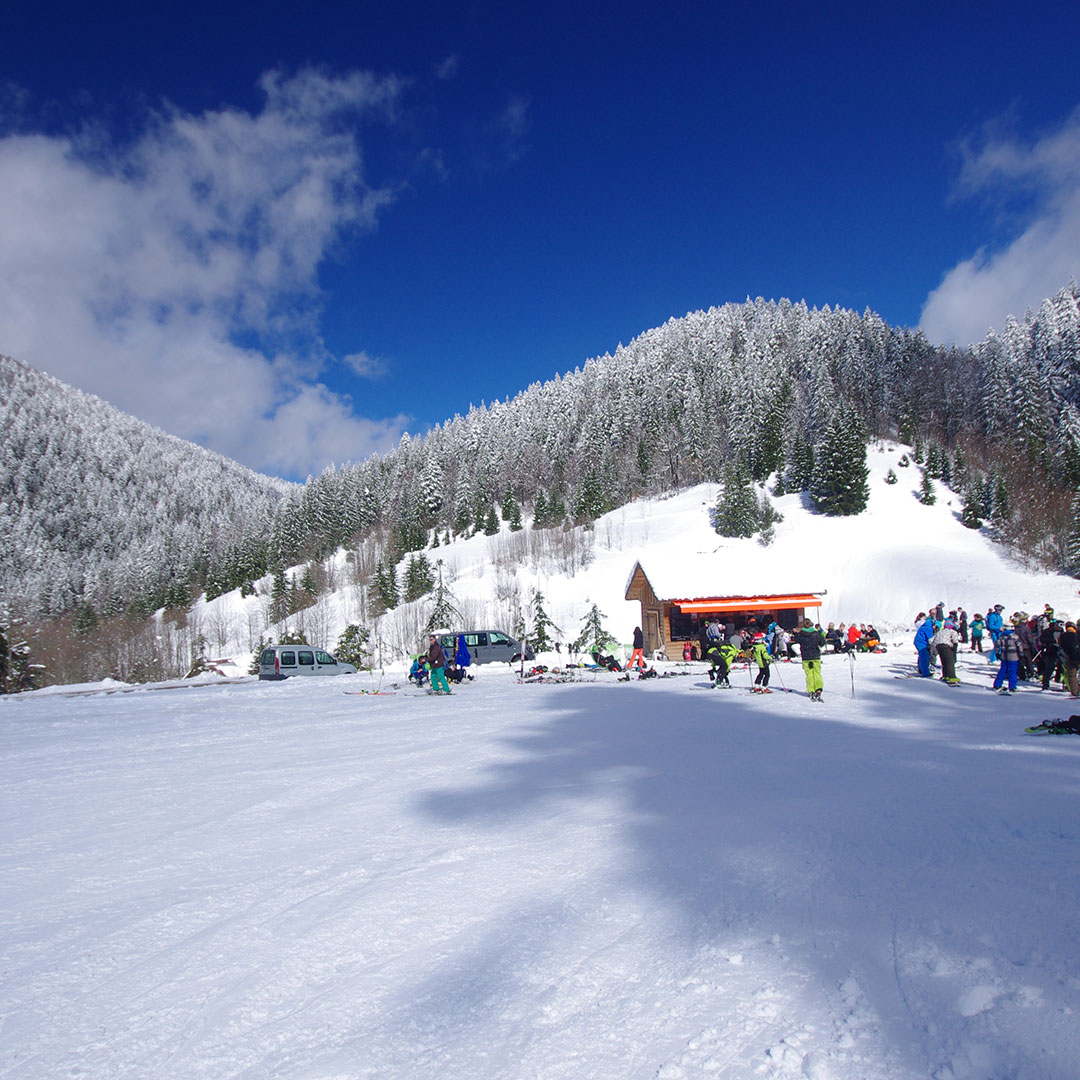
{"points": [[760, 652], [721, 656]]}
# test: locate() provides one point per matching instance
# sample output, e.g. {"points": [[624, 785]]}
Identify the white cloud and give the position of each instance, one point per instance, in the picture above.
{"points": [[981, 291], [365, 365], [178, 278]]}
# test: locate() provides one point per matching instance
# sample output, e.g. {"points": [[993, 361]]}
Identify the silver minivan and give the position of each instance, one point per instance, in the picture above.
{"points": [[485, 646], [281, 661]]}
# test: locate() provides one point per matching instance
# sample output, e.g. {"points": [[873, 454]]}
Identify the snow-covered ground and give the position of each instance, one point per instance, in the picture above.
{"points": [[646, 880], [558, 882]]}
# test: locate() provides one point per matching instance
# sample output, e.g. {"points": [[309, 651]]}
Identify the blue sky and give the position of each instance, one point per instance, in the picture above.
{"points": [[293, 234]]}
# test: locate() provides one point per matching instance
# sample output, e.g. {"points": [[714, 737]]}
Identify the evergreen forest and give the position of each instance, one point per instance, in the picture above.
{"points": [[101, 514]]}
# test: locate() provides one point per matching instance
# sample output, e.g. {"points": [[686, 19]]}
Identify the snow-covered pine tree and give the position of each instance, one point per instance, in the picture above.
{"points": [[385, 585], [970, 515], [736, 512], [543, 628], [352, 646], [444, 611], [839, 486], [593, 636], [1072, 540], [419, 578], [511, 511], [799, 472]]}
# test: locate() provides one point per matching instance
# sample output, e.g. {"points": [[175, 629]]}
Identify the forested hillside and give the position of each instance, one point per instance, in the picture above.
{"points": [[101, 510], [775, 387], [98, 508]]}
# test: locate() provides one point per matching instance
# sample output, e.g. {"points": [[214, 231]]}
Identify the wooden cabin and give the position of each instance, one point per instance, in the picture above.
{"points": [[686, 598]]}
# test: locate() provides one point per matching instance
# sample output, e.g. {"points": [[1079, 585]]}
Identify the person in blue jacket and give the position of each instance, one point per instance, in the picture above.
{"points": [[923, 637], [994, 623], [463, 658]]}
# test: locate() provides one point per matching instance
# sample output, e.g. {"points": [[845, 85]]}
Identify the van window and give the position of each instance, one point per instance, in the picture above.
{"points": [[498, 639], [324, 658], [288, 659], [307, 659], [472, 640], [267, 657]]}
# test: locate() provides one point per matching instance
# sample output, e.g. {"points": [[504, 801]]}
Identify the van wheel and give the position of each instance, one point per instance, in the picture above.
{"points": [[516, 658]]}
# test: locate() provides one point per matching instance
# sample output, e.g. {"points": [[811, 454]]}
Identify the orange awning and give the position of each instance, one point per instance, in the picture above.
{"points": [[746, 603]]}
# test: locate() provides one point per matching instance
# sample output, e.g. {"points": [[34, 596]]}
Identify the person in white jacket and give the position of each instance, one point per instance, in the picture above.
{"points": [[945, 643]]}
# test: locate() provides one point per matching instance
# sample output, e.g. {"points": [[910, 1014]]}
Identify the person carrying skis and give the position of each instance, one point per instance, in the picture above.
{"points": [[924, 636], [760, 652], [436, 660], [945, 642], [810, 639], [1008, 650]]}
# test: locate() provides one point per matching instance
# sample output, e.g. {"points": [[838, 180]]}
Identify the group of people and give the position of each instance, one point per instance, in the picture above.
{"points": [[861, 637], [1023, 646], [438, 669], [764, 646]]}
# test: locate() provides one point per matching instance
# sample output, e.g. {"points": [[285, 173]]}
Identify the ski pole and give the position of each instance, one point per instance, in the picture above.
{"points": [[781, 678], [851, 660]]}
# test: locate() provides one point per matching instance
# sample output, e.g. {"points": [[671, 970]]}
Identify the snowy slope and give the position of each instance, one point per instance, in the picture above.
{"points": [[641, 880], [883, 566]]}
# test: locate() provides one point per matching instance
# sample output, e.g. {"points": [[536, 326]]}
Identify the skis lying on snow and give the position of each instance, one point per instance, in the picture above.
{"points": [[1056, 727], [372, 693]]}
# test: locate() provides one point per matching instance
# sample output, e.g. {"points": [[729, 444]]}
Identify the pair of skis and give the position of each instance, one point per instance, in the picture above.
{"points": [[1056, 727]]}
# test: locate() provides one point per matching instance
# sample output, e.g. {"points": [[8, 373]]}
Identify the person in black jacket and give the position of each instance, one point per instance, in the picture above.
{"points": [[1048, 652], [810, 639], [1069, 644]]}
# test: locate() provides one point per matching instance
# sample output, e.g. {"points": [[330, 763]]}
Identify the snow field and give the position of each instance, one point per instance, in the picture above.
{"points": [[645, 879]]}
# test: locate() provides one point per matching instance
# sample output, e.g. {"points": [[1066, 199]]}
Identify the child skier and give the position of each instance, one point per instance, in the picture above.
{"points": [[977, 627], [721, 656], [1008, 651]]}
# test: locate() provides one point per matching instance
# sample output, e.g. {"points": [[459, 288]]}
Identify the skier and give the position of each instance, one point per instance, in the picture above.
{"points": [[810, 638], [1008, 649], [994, 624], [760, 652], [923, 638], [1028, 646], [722, 656], [977, 628], [945, 643], [637, 657], [436, 660]]}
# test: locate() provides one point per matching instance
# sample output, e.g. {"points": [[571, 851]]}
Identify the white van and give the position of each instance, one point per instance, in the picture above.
{"points": [[485, 646], [280, 661]]}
